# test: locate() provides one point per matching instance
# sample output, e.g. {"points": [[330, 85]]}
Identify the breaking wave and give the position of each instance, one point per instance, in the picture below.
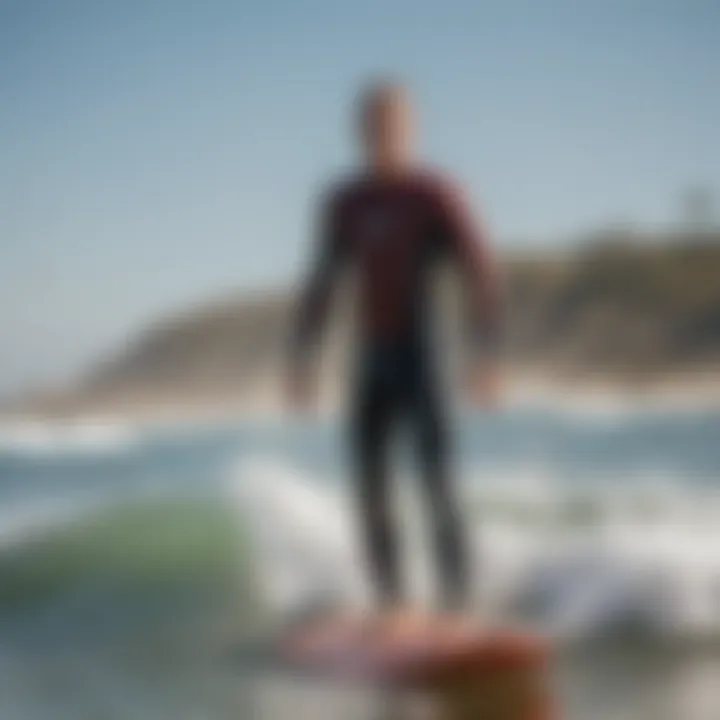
{"points": [[638, 557]]}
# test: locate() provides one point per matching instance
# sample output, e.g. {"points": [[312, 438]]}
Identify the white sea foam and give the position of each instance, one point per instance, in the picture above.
{"points": [[42, 438], [303, 534]]}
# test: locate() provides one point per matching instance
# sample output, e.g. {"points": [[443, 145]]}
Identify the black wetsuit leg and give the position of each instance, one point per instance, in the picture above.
{"points": [[374, 416], [398, 384], [428, 416]]}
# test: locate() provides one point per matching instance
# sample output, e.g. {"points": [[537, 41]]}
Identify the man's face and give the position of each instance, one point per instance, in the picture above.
{"points": [[387, 129]]}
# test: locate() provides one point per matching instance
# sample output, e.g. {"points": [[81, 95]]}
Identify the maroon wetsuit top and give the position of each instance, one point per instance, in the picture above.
{"points": [[393, 231]]}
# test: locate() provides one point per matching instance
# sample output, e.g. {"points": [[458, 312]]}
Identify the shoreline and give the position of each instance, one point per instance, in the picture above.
{"points": [[687, 392]]}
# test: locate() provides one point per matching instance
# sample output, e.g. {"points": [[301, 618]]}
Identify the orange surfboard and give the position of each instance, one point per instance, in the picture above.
{"points": [[476, 672]]}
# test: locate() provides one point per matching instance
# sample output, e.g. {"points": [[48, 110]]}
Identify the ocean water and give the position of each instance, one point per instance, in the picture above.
{"points": [[135, 561]]}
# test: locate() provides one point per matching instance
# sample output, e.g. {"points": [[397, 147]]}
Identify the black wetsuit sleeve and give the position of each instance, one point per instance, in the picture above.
{"points": [[315, 295], [463, 237]]}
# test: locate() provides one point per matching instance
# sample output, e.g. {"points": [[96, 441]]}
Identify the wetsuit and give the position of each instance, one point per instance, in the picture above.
{"points": [[394, 232]]}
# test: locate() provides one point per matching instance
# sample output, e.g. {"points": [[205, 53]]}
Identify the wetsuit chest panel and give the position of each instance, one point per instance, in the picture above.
{"points": [[390, 238]]}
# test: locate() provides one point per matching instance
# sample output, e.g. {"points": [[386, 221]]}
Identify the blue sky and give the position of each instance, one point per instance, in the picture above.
{"points": [[157, 153]]}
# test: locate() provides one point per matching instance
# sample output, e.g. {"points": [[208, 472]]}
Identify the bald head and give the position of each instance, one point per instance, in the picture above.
{"points": [[385, 120]]}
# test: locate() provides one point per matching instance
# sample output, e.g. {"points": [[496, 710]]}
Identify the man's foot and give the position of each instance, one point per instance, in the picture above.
{"points": [[402, 622], [394, 627]]}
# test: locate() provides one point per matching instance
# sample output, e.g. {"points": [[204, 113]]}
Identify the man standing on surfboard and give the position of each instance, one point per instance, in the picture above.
{"points": [[393, 223]]}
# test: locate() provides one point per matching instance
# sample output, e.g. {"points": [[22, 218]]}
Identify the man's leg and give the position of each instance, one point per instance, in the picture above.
{"points": [[451, 552], [372, 423]]}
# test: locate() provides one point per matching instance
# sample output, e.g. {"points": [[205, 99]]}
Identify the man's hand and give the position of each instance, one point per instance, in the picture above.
{"points": [[485, 385], [300, 390]]}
